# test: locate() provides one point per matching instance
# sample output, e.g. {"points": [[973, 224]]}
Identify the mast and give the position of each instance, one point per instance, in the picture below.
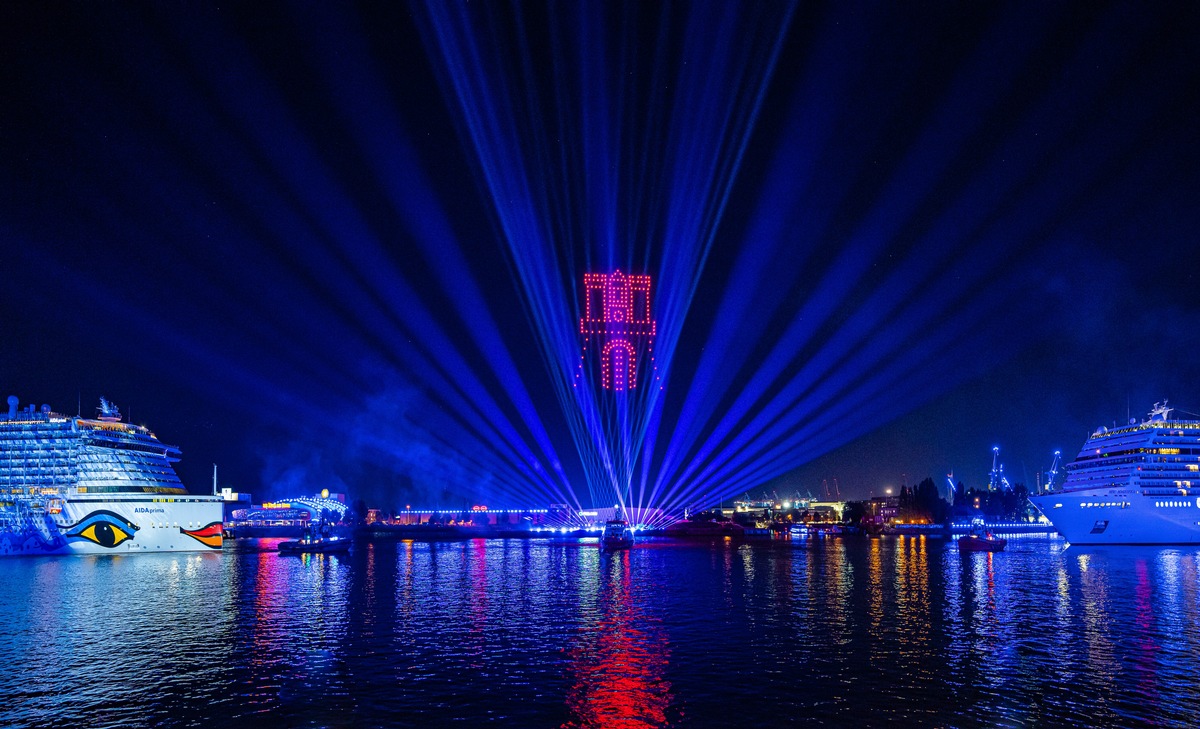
{"points": [[214, 479]]}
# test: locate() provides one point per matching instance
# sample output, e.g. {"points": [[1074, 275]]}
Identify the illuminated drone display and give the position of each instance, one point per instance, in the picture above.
{"points": [[616, 324]]}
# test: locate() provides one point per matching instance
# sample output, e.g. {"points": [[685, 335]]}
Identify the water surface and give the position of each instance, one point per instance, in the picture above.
{"points": [[830, 631]]}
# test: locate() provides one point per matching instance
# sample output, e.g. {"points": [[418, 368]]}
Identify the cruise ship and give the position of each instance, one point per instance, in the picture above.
{"points": [[74, 485], [1135, 484]]}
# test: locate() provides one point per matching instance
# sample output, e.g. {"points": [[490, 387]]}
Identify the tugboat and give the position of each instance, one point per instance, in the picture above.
{"points": [[617, 534], [980, 540], [315, 541]]}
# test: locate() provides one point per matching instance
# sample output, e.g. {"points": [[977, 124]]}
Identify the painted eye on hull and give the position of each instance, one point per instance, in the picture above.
{"points": [[104, 528]]}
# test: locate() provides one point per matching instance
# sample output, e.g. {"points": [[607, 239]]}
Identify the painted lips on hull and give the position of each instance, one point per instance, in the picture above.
{"points": [[209, 535]]}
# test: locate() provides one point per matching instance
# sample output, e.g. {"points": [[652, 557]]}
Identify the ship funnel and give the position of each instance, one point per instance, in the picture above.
{"points": [[12, 406]]}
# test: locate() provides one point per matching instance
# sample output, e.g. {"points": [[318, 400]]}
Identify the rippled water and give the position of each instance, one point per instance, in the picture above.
{"points": [[830, 631]]}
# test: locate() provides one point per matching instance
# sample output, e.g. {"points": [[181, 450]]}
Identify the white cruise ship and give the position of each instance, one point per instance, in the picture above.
{"points": [[73, 485], [1136, 484]]}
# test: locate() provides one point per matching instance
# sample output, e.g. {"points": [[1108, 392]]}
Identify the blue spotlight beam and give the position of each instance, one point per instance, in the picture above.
{"points": [[735, 329], [379, 127], [871, 400], [1006, 167], [1041, 204], [336, 214], [472, 65]]}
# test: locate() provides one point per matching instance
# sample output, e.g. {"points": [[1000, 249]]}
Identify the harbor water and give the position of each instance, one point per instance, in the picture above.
{"points": [[827, 631]]}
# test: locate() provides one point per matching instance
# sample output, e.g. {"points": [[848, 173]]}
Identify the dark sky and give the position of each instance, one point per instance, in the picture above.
{"points": [[287, 239]]}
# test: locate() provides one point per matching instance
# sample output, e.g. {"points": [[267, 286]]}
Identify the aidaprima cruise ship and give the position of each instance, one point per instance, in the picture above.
{"points": [[74, 485], [1136, 484]]}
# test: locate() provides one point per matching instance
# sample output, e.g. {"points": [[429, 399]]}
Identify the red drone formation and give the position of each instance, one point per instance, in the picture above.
{"points": [[616, 322]]}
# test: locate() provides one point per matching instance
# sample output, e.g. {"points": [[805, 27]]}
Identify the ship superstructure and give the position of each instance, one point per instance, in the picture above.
{"points": [[70, 484], [1134, 484]]}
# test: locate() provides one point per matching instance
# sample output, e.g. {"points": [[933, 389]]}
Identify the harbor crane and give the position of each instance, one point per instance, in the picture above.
{"points": [[997, 480], [1053, 472]]}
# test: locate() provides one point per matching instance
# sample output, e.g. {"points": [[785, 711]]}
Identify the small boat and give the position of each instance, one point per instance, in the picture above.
{"points": [[315, 540], [617, 534], [320, 544], [980, 540]]}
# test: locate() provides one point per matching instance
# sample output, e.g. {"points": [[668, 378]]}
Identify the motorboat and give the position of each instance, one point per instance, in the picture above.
{"points": [[319, 544], [980, 540], [316, 540], [617, 534]]}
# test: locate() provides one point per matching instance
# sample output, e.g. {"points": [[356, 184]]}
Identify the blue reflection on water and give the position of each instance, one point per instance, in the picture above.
{"points": [[558, 633]]}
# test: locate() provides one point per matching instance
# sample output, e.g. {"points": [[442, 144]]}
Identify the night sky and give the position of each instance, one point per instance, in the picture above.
{"points": [[342, 247]]}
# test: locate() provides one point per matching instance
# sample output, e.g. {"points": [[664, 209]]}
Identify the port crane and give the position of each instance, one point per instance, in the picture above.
{"points": [[1053, 472], [997, 480]]}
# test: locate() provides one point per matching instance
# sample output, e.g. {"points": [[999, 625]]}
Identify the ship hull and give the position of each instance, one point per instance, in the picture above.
{"points": [[1110, 517], [110, 524]]}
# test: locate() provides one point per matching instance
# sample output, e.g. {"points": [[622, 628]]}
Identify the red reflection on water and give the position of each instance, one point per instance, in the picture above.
{"points": [[618, 663], [474, 642], [269, 596]]}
